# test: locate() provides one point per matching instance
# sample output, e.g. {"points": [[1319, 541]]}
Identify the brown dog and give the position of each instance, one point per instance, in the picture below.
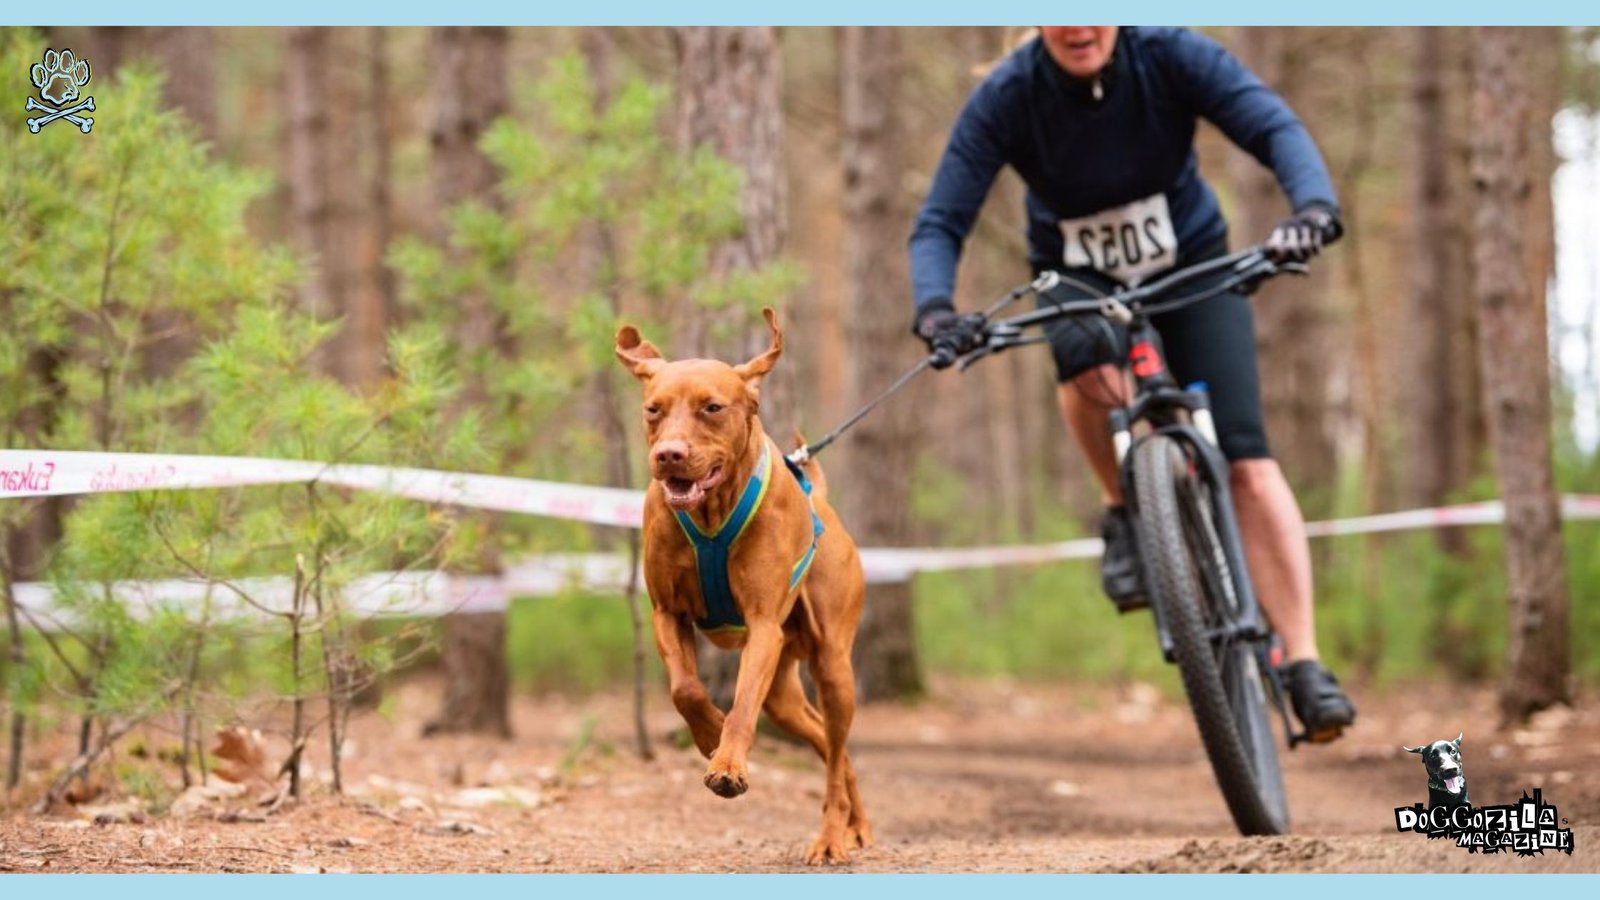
{"points": [[795, 594]]}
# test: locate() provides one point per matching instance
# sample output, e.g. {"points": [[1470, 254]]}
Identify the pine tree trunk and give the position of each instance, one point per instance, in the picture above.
{"points": [[369, 311], [189, 55], [876, 462], [1442, 381], [1290, 315], [730, 101], [477, 694], [323, 177], [470, 92], [1516, 365]]}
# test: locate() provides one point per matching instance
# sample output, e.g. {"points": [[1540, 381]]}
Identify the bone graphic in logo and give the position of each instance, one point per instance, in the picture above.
{"points": [[59, 79]]}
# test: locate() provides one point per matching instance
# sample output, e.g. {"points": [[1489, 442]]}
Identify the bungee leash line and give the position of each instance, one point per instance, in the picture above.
{"points": [[1043, 283]]}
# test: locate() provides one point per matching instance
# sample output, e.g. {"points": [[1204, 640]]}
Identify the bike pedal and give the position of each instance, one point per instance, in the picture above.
{"points": [[1127, 605]]}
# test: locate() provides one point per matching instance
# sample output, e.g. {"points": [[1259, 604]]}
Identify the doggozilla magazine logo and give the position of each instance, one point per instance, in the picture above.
{"points": [[1528, 827]]}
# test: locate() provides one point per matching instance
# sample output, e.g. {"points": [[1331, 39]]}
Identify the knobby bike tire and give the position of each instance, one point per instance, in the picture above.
{"points": [[1240, 662], [1175, 588]]}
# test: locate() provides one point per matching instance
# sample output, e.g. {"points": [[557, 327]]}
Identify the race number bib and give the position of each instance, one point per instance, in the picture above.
{"points": [[1128, 243]]}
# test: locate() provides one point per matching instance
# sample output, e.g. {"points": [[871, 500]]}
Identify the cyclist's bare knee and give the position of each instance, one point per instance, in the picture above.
{"points": [[1102, 385], [1254, 477]]}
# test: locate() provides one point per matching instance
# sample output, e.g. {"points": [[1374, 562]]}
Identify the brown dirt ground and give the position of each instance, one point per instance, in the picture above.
{"points": [[983, 777]]}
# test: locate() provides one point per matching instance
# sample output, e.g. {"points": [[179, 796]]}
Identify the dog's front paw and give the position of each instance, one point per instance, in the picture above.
{"points": [[725, 781]]}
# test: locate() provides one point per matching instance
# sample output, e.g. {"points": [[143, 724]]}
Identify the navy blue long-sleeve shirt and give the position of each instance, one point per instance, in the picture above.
{"points": [[1080, 155]]}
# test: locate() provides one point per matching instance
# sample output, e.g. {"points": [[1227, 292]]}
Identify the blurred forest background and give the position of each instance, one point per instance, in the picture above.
{"points": [[413, 246]]}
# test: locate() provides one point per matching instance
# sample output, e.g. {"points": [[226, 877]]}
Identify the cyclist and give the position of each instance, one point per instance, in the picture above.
{"points": [[1099, 122]]}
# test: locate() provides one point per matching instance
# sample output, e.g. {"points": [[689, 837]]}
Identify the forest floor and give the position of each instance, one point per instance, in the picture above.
{"points": [[981, 777]]}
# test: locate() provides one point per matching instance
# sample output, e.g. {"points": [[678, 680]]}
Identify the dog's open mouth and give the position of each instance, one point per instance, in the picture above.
{"points": [[686, 493], [1453, 784]]}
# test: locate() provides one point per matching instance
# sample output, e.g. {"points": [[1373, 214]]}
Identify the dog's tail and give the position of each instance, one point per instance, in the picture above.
{"points": [[813, 469]]}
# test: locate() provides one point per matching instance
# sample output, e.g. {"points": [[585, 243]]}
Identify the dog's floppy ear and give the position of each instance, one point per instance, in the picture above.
{"points": [[753, 370], [1414, 749], [639, 356]]}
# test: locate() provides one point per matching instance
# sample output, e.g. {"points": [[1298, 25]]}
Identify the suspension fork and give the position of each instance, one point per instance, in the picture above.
{"points": [[1158, 400]]}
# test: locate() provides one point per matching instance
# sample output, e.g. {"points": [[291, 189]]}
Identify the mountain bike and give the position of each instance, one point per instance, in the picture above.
{"points": [[1175, 484]]}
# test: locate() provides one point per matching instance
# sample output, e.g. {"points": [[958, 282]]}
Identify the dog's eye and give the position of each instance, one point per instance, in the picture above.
{"points": [[652, 410], [715, 407]]}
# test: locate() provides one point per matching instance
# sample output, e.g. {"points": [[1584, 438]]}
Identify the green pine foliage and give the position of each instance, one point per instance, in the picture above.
{"points": [[114, 240], [599, 217]]}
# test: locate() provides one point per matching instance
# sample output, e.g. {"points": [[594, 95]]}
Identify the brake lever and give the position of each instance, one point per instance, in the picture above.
{"points": [[1000, 337], [966, 361]]}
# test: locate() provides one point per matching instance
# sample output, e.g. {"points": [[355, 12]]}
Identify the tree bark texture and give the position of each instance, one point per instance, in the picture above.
{"points": [[875, 475], [477, 688], [1516, 365], [1292, 318], [470, 91], [730, 101], [1444, 395], [326, 221]]}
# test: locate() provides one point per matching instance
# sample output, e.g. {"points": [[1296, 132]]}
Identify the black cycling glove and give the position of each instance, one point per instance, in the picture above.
{"points": [[1302, 235], [947, 334]]}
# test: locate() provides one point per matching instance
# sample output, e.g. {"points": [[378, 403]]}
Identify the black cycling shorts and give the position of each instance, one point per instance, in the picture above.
{"points": [[1213, 341]]}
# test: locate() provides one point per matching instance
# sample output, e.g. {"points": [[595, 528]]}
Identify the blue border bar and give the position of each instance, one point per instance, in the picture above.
{"points": [[810, 12]]}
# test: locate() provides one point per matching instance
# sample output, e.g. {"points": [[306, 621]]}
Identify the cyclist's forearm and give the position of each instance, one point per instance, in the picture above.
{"points": [[1299, 168], [935, 249]]}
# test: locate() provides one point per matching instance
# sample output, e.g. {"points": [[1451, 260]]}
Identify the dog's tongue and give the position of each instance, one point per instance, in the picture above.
{"points": [[1453, 784]]}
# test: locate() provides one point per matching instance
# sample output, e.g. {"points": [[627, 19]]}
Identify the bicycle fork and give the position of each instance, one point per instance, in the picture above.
{"points": [[1158, 399]]}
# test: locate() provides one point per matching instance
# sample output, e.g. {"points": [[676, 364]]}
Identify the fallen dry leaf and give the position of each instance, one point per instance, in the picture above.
{"points": [[114, 813], [455, 826], [204, 799], [242, 758]]}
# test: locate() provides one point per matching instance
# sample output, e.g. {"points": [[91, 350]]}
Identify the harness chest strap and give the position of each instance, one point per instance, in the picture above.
{"points": [[711, 550]]}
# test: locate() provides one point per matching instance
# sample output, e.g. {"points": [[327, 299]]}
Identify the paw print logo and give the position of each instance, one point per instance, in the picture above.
{"points": [[60, 79]]}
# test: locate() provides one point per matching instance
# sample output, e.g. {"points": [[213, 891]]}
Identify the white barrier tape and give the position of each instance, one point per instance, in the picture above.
{"points": [[423, 594], [25, 473], [1574, 507], [38, 473]]}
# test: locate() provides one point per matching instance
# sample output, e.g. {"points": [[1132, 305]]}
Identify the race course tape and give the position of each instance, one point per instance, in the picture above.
{"points": [[36, 473], [44, 473]]}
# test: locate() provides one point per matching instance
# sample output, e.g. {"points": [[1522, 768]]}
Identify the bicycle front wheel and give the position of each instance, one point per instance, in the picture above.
{"points": [[1191, 587]]}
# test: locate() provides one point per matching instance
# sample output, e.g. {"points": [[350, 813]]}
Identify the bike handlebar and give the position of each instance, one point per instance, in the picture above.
{"points": [[1247, 266]]}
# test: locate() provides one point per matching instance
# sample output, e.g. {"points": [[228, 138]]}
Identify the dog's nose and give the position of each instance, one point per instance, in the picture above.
{"points": [[669, 453]]}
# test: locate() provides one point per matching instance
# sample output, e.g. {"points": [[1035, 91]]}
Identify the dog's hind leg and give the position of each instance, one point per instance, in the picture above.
{"points": [[844, 820], [675, 641], [788, 708]]}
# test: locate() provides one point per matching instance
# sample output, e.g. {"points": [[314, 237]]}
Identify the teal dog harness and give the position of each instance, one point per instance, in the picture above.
{"points": [[711, 550]]}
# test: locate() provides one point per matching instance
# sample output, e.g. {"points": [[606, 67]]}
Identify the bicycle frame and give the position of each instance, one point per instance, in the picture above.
{"points": [[1170, 410]]}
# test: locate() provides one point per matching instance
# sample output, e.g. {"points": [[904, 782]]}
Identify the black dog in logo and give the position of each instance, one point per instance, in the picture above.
{"points": [[1447, 786]]}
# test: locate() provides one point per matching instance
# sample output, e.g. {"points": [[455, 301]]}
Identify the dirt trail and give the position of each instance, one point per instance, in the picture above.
{"points": [[984, 778]]}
